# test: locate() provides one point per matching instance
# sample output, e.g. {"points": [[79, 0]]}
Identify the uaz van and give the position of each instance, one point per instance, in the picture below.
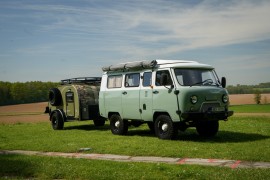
{"points": [[168, 95]]}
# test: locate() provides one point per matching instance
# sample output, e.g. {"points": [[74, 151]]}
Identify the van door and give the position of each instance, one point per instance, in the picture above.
{"points": [[164, 99], [131, 97], [113, 96], [146, 95], [70, 106]]}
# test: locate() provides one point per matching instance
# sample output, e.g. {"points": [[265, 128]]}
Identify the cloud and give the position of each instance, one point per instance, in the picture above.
{"points": [[154, 27], [204, 25]]}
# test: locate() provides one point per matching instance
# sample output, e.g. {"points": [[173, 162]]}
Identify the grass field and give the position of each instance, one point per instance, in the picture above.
{"points": [[241, 138], [34, 167], [251, 108]]}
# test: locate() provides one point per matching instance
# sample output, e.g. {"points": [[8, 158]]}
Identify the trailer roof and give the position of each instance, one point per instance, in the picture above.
{"points": [[85, 80]]}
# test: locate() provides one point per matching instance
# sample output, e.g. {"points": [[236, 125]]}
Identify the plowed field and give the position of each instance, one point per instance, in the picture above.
{"points": [[33, 112], [238, 99]]}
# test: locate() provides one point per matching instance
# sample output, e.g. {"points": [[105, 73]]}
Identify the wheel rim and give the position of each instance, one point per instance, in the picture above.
{"points": [[164, 127], [54, 120], [117, 124]]}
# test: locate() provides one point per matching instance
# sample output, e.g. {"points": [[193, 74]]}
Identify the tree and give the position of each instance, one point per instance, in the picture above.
{"points": [[27, 92], [257, 97]]}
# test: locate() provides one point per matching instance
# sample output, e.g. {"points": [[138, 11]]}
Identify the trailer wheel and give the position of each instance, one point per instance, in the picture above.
{"points": [[55, 97], [207, 128], [57, 121], [118, 125], [165, 128]]}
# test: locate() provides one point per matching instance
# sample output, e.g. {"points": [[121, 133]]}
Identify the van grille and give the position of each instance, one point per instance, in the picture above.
{"points": [[208, 106]]}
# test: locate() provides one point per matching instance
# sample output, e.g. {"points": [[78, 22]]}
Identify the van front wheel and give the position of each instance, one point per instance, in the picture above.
{"points": [[165, 128], [118, 125]]}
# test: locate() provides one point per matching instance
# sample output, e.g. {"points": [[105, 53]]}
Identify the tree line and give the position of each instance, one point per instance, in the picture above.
{"points": [[37, 91], [27, 92], [263, 88]]}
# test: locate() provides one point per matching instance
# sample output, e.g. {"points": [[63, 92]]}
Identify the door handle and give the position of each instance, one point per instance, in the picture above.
{"points": [[155, 92], [124, 93]]}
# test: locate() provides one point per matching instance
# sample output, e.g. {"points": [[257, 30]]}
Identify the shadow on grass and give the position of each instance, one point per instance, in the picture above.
{"points": [[224, 137], [88, 127], [221, 137], [12, 166], [188, 135]]}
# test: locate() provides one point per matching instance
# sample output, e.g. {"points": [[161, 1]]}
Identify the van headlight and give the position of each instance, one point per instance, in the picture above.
{"points": [[225, 98], [194, 99]]}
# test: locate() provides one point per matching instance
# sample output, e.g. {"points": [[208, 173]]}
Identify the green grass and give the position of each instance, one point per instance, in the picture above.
{"points": [[241, 138], [252, 108], [35, 167]]}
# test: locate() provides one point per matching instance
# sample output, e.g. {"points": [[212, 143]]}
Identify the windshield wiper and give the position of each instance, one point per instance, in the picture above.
{"points": [[207, 81]]}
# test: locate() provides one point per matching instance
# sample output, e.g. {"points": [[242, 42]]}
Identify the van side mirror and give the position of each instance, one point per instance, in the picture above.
{"points": [[223, 82]]}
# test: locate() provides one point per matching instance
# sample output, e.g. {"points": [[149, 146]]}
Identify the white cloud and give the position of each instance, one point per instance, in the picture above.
{"points": [[173, 26], [204, 25]]}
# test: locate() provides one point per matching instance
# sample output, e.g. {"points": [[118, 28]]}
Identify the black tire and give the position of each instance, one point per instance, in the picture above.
{"points": [[57, 121], [99, 122], [55, 97], [118, 125], [165, 128], [207, 128]]}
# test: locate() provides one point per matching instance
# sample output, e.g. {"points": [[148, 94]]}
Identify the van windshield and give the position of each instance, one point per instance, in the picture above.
{"points": [[196, 77]]}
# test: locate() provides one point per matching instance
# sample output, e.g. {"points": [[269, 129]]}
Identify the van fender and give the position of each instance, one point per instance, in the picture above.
{"points": [[61, 112]]}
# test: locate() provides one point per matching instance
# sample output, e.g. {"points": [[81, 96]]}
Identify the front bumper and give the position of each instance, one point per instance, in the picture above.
{"points": [[208, 115]]}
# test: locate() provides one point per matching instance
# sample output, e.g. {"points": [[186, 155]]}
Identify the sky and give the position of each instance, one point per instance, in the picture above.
{"points": [[50, 40]]}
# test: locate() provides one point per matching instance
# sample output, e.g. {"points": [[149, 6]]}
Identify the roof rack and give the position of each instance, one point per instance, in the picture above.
{"points": [[84, 80]]}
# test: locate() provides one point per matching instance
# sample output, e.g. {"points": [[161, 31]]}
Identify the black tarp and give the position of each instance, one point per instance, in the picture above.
{"points": [[131, 66]]}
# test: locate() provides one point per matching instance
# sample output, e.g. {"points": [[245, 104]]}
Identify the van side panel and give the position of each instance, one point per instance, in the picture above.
{"points": [[101, 100], [109, 99]]}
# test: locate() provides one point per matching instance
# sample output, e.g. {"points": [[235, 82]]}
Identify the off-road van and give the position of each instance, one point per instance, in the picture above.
{"points": [[168, 95], [75, 99]]}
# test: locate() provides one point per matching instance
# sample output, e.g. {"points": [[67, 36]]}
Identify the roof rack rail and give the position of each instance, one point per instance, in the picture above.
{"points": [[84, 80]]}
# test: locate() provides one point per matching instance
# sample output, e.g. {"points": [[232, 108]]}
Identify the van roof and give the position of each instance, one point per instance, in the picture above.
{"points": [[182, 63], [153, 64]]}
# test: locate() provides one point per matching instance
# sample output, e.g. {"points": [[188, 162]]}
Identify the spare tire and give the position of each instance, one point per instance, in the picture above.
{"points": [[55, 97]]}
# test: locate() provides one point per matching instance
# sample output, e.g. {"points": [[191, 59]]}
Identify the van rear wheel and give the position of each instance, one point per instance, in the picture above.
{"points": [[165, 128], [118, 125]]}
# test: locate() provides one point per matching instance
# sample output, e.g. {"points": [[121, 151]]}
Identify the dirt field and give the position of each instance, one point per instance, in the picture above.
{"points": [[23, 113], [35, 112], [238, 99]]}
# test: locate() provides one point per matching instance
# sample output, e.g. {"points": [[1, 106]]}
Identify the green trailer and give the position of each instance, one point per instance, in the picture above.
{"points": [[75, 99]]}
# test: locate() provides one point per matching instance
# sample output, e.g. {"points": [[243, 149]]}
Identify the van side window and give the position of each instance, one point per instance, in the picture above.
{"points": [[114, 81], [147, 79], [132, 80], [163, 78]]}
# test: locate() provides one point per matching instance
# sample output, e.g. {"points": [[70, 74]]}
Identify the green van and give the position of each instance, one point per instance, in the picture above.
{"points": [[168, 95]]}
